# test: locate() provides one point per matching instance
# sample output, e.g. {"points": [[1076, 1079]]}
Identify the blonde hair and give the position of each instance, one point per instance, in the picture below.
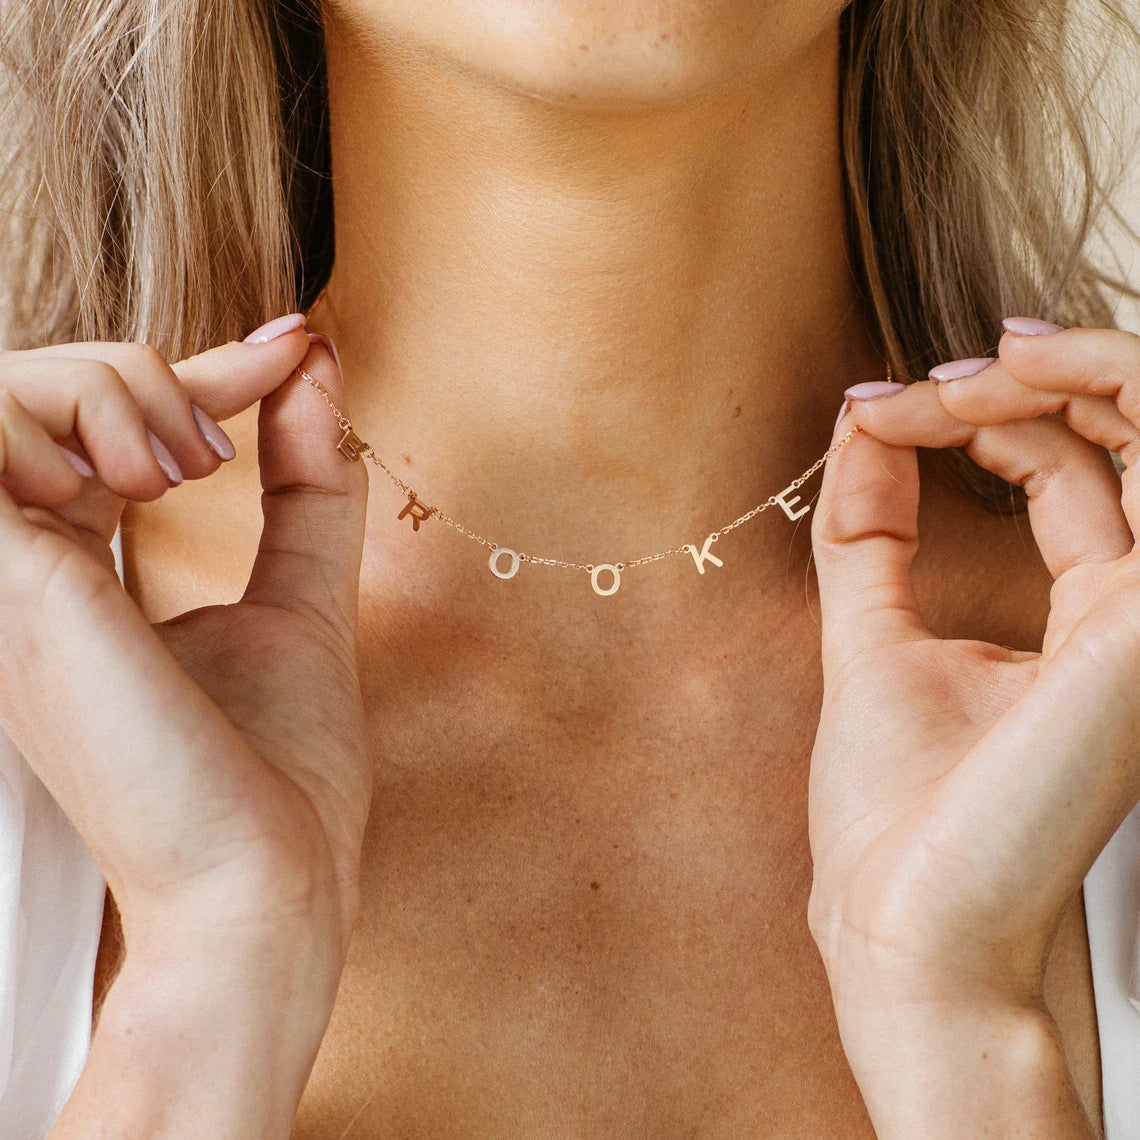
{"points": [[166, 171]]}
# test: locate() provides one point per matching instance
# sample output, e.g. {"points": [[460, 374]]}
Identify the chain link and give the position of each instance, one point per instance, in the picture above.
{"points": [[365, 451]]}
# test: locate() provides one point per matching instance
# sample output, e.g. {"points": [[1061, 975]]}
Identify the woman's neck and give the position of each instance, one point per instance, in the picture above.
{"points": [[590, 333]]}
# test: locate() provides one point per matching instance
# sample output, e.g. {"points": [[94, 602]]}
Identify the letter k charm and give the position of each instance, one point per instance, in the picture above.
{"points": [[704, 555]]}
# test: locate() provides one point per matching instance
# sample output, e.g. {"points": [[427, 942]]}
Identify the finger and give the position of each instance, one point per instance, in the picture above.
{"points": [[33, 467], [221, 382], [314, 500], [1072, 486], [993, 396], [864, 539], [89, 401], [1088, 363], [163, 402], [225, 380], [1101, 362]]}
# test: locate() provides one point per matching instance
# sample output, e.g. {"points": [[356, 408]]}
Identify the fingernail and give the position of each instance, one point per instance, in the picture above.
{"points": [[81, 465], [1029, 326], [842, 412], [320, 338], [874, 390], [220, 443], [165, 460], [279, 326], [957, 369]]}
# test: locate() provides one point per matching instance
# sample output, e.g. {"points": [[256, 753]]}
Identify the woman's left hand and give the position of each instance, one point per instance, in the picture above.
{"points": [[960, 790]]}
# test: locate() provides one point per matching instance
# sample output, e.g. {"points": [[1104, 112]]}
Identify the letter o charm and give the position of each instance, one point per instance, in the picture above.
{"points": [[494, 563], [613, 585]]}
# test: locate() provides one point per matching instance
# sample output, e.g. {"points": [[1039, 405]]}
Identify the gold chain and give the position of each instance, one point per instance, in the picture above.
{"points": [[352, 447]]}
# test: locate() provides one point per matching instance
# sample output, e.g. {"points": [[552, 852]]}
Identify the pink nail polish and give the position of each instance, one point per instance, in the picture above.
{"points": [[874, 390], [81, 465], [165, 460], [1029, 326], [320, 338], [842, 413], [217, 440], [279, 326], [957, 369]]}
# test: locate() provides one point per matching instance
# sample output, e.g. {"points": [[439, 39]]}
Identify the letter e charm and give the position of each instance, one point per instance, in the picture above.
{"points": [[351, 445], [787, 504]]}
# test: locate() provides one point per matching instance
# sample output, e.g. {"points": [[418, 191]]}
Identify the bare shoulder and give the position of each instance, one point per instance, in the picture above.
{"points": [[980, 575]]}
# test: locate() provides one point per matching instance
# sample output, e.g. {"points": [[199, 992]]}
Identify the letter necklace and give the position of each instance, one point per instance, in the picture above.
{"points": [[504, 562]]}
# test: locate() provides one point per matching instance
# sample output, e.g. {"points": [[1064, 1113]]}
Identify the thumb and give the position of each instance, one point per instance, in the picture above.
{"points": [[314, 499], [864, 538]]}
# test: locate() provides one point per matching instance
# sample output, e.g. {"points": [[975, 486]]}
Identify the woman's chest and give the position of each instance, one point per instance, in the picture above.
{"points": [[584, 918]]}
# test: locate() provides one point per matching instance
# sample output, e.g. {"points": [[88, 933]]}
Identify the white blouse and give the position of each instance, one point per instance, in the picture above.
{"points": [[51, 908]]}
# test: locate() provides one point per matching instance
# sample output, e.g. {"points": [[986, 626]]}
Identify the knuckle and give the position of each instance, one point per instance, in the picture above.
{"points": [[98, 379], [145, 357], [146, 362], [1118, 363]]}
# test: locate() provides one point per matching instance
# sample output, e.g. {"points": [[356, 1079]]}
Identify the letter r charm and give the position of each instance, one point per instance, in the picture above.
{"points": [[416, 510], [787, 504]]}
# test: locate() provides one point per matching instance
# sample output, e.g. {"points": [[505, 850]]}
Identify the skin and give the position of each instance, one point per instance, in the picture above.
{"points": [[590, 898]]}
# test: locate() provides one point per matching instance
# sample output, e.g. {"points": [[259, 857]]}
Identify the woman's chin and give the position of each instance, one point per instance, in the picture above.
{"points": [[607, 82], [585, 53]]}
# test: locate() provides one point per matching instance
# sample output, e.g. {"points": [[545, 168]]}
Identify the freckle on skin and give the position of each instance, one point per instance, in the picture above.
{"points": [[583, 47], [406, 458], [736, 411], [594, 885]]}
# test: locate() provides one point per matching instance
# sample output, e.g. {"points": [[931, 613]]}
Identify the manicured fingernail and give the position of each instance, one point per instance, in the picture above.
{"points": [[957, 369], [320, 338], [874, 390], [81, 465], [1029, 326], [165, 460], [279, 326], [842, 413], [220, 443]]}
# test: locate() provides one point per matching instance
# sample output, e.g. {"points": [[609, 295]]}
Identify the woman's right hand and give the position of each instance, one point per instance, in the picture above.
{"points": [[216, 763]]}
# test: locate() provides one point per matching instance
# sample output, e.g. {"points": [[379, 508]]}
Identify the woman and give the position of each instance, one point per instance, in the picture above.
{"points": [[602, 277]]}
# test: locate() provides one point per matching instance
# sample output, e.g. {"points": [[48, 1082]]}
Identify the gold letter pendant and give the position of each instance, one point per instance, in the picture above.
{"points": [[615, 579], [351, 445], [787, 504], [704, 554], [416, 510]]}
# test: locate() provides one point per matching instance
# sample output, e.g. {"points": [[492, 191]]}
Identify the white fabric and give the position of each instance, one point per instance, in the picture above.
{"points": [[1112, 910], [51, 915], [51, 908]]}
